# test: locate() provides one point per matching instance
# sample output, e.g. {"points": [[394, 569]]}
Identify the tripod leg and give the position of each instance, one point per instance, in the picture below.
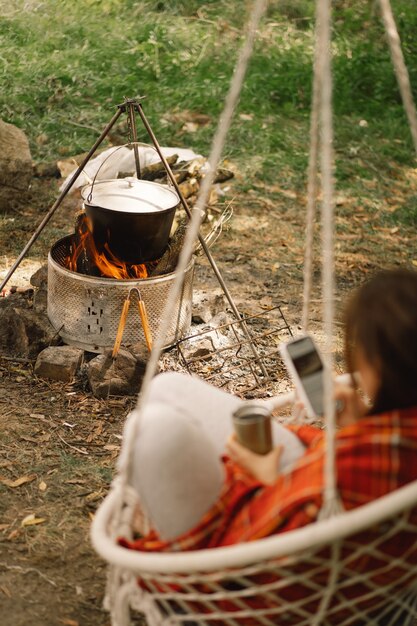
{"points": [[203, 244], [58, 201]]}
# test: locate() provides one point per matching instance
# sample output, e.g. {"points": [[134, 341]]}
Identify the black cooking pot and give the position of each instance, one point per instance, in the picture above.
{"points": [[133, 217]]}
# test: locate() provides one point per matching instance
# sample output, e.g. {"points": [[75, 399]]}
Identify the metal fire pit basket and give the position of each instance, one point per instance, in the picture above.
{"points": [[86, 310]]}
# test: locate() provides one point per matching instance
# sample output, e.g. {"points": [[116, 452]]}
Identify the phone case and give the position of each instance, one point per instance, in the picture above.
{"points": [[298, 383]]}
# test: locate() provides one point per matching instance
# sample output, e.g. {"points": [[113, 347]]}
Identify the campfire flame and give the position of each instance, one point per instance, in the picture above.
{"points": [[106, 262]]}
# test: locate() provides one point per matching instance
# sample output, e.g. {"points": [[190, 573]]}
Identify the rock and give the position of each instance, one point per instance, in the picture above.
{"points": [[40, 300], [206, 305], [222, 175], [198, 348], [40, 277], [24, 331], [16, 298], [46, 170], [15, 166], [27, 292], [139, 352], [59, 363], [119, 377], [40, 281]]}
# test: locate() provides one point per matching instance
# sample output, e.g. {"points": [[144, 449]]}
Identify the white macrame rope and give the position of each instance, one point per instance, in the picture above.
{"points": [[331, 586], [311, 187], [322, 99], [400, 67], [323, 16], [193, 228]]}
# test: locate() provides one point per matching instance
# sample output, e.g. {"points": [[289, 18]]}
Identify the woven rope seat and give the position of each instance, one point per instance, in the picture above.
{"points": [[359, 567], [350, 568]]}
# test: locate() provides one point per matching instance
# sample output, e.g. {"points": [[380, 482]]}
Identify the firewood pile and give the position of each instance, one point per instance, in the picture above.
{"points": [[188, 173]]}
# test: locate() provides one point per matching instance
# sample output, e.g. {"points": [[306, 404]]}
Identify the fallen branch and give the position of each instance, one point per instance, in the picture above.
{"points": [[16, 359], [73, 447], [28, 570]]}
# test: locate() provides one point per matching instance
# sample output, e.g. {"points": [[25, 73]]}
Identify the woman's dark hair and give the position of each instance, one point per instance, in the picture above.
{"points": [[381, 319]]}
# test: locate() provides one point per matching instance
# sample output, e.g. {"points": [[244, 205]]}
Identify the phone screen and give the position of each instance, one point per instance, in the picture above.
{"points": [[309, 367]]}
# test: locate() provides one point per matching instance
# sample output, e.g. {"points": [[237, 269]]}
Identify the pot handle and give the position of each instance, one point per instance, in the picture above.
{"points": [[126, 145]]}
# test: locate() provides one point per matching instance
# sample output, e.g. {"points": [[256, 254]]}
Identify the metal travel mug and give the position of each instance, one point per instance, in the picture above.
{"points": [[252, 422]]}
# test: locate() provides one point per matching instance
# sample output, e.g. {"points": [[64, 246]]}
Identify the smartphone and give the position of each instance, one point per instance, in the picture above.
{"points": [[306, 368]]}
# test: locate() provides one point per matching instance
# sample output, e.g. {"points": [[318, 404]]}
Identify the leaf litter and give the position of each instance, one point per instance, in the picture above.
{"points": [[64, 434]]}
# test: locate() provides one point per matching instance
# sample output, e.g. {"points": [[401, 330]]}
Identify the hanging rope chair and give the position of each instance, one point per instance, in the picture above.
{"points": [[347, 569], [333, 572]]}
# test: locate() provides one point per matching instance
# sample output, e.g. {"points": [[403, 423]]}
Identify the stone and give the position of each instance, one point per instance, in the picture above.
{"points": [[40, 281], [139, 351], [16, 298], [206, 305], [59, 363], [47, 170], [115, 377], [40, 277], [40, 300], [16, 168], [24, 331], [199, 348]]}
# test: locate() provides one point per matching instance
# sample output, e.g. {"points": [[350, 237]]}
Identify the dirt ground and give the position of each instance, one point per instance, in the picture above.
{"points": [[58, 444]]}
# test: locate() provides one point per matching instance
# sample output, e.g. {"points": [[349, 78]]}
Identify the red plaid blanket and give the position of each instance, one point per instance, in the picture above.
{"points": [[374, 457]]}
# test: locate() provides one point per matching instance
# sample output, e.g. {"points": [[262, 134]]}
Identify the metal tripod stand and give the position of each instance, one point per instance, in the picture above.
{"points": [[131, 107]]}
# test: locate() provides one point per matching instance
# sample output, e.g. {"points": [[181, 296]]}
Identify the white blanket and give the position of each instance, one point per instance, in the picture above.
{"points": [[177, 468], [109, 163]]}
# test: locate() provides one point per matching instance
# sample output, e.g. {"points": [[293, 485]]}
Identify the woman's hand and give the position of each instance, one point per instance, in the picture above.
{"points": [[264, 467], [349, 405]]}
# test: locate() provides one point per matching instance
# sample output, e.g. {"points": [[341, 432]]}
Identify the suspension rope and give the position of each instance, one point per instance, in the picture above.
{"points": [[321, 117], [311, 187], [219, 139], [400, 67], [323, 16]]}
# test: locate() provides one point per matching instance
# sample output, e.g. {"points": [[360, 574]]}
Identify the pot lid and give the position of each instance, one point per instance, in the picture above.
{"points": [[130, 195]]}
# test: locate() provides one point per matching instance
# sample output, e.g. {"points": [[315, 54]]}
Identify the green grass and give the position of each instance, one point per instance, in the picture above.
{"points": [[406, 214], [64, 66]]}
